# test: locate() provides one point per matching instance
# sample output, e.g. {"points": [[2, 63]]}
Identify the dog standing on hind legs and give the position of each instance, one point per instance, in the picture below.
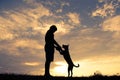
{"points": [[68, 59]]}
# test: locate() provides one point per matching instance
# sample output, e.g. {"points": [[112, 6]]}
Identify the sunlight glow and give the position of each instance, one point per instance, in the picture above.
{"points": [[31, 63], [60, 69], [89, 67]]}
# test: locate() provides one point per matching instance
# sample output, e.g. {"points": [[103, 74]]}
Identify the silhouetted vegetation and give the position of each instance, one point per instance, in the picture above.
{"points": [[39, 77]]}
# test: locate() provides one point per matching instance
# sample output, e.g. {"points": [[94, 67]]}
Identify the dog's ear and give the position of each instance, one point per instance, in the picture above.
{"points": [[63, 45]]}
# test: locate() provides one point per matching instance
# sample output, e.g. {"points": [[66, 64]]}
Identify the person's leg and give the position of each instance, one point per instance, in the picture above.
{"points": [[47, 68], [49, 50]]}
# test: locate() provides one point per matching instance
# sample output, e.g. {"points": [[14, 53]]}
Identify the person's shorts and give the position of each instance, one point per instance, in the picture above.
{"points": [[49, 53]]}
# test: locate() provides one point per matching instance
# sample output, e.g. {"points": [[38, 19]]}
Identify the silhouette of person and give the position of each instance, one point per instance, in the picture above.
{"points": [[50, 44]]}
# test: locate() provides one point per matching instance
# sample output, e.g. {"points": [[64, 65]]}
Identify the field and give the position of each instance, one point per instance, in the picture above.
{"points": [[31, 77]]}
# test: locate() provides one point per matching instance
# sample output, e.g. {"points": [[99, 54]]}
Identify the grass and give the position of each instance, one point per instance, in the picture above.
{"points": [[33, 77]]}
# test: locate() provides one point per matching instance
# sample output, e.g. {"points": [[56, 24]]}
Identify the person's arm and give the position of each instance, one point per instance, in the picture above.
{"points": [[60, 50], [56, 44], [58, 47]]}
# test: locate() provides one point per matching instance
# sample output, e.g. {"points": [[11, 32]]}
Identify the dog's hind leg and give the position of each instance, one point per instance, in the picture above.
{"points": [[71, 73], [68, 71]]}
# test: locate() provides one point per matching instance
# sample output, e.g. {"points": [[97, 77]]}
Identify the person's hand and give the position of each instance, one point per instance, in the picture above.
{"points": [[58, 48]]}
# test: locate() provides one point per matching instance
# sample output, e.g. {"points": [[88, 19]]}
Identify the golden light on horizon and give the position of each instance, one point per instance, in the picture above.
{"points": [[60, 69], [31, 63], [106, 66]]}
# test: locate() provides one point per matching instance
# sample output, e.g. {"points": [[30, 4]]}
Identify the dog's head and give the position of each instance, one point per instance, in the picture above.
{"points": [[65, 46]]}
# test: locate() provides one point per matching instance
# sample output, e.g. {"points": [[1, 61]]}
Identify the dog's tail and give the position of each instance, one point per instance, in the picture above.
{"points": [[76, 65]]}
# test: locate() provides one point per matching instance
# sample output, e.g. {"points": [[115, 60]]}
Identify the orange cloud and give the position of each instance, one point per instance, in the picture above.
{"points": [[5, 34], [74, 18], [108, 9], [28, 43], [21, 19], [31, 64], [112, 24]]}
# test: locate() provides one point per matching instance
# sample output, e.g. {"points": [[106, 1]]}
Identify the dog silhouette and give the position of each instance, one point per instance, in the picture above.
{"points": [[68, 59]]}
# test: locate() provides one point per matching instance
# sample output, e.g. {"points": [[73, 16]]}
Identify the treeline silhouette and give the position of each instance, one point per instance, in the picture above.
{"points": [[40, 77]]}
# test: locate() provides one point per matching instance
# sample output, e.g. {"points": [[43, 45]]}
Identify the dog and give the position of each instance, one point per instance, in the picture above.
{"points": [[68, 59]]}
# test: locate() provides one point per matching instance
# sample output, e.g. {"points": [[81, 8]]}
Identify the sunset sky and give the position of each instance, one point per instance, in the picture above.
{"points": [[90, 27]]}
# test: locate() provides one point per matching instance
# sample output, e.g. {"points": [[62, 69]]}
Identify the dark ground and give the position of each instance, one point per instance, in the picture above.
{"points": [[31, 77]]}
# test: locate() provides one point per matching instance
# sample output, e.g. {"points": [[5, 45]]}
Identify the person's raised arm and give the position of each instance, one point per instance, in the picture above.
{"points": [[56, 44]]}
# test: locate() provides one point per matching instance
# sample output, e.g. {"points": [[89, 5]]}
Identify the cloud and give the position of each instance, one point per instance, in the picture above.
{"points": [[112, 24], [74, 18], [36, 17], [59, 11], [20, 55], [32, 64], [33, 2], [19, 42], [27, 43], [5, 34], [91, 42], [65, 4], [100, 1], [14, 22], [107, 9], [62, 5]]}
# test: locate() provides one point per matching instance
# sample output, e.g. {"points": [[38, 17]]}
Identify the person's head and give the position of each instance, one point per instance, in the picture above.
{"points": [[53, 28]]}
